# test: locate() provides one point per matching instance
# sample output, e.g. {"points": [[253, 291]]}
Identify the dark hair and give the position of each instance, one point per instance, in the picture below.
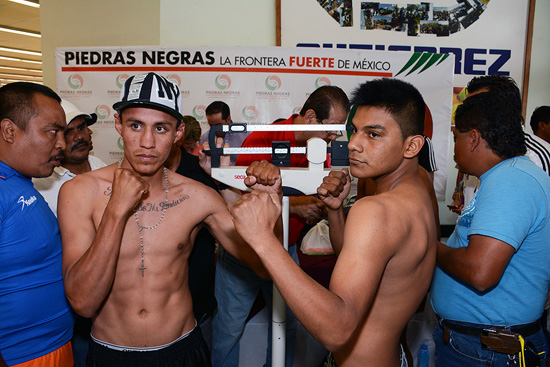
{"points": [[495, 120], [217, 107], [192, 128], [504, 86], [323, 100], [401, 99], [541, 114], [17, 101]]}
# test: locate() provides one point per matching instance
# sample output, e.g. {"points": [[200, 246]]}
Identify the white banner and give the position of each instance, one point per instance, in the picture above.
{"points": [[260, 85]]}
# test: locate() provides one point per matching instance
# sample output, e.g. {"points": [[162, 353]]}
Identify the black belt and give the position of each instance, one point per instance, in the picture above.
{"points": [[524, 330]]}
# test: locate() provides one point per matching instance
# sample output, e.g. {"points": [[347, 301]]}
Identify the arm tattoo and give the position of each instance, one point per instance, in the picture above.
{"points": [[108, 191]]}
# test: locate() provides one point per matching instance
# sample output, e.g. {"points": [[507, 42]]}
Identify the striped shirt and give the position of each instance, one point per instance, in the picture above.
{"points": [[426, 157], [538, 150]]}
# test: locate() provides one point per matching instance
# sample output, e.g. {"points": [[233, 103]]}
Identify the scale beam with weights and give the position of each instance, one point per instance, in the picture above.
{"points": [[295, 181]]}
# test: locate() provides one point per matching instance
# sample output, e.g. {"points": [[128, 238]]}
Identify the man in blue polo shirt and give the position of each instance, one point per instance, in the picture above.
{"points": [[35, 318], [490, 285]]}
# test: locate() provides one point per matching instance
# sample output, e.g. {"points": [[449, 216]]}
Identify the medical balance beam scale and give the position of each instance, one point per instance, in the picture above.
{"points": [[295, 180]]}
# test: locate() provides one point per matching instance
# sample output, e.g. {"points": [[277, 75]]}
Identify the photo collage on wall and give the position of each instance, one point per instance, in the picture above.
{"points": [[423, 18], [412, 19], [339, 10]]}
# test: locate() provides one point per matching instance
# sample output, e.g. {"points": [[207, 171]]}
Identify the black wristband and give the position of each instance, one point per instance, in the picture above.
{"points": [[222, 186]]}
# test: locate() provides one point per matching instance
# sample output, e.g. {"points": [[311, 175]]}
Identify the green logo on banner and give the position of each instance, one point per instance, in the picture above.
{"points": [[272, 83], [223, 82], [250, 113], [199, 112], [102, 111], [75, 81], [120, 79], [425, 59]]}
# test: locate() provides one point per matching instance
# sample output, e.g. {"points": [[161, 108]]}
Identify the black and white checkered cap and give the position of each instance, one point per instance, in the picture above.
{"points": [[151, 89]]}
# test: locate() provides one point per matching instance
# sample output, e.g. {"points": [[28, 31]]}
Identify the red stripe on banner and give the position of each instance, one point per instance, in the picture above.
{"points": [[219, 69]]}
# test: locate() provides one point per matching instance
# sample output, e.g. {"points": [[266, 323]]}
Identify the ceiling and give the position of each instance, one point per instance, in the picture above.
{"points": [[19, 66]]}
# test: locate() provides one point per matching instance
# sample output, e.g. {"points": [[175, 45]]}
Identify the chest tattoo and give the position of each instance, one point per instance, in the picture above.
{"points": [[153, 207]]}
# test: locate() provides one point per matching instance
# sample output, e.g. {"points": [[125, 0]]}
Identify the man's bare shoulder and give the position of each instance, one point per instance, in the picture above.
{"points": [[370, 216], [197, 191], [378, 206], [371, 204], [179, 182], [195, 199], [90, 182], [406, 194], [393, 213]]}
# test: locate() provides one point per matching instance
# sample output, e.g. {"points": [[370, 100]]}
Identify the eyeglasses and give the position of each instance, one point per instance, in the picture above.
{"points": [[337, 134]]}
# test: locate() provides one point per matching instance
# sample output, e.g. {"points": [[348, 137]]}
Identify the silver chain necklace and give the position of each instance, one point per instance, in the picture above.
{"points": [[141, 228]]}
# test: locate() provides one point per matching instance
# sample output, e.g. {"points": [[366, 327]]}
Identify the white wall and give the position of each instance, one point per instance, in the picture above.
{"points": [[66, 23], [539, 81], [217, 23]]}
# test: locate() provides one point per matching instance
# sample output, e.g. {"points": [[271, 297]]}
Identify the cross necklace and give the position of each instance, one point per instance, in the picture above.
{"points": [[141, 228]]}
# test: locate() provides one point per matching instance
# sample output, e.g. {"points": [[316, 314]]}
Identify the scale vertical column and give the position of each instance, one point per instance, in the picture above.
{"points": [[278, 330]]}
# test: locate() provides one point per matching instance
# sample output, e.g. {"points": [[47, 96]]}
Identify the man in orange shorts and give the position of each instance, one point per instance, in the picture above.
{"points": [[36, 321]]}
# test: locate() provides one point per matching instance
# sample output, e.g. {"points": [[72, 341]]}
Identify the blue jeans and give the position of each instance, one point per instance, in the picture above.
{"points": [[466, 351], [236, 289]]}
